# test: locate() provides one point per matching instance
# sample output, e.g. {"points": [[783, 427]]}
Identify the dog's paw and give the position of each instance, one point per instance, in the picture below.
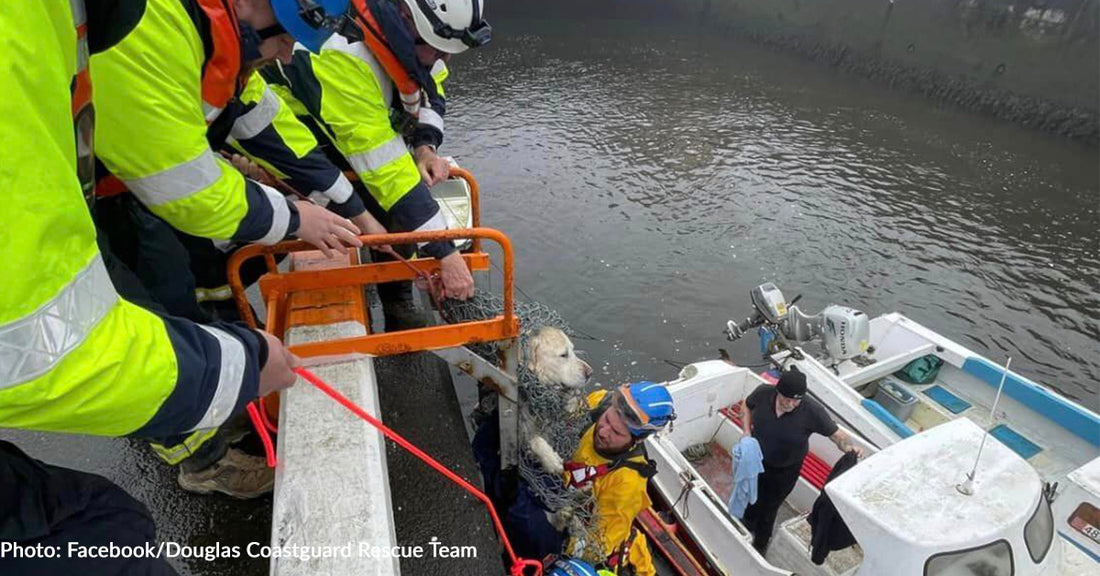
{"points": [[548, 458], [559, 520], [566, 518]]}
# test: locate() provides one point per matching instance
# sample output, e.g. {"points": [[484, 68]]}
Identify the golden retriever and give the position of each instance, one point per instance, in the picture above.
{"points": [[553, 361]]}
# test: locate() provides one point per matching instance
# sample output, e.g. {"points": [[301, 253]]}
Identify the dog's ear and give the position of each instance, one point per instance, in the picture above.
{"points": [[534, 345]]}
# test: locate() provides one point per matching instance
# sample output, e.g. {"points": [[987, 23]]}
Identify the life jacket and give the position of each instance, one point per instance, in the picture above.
{"points": [[221, 72], [82, 110], [580, 474], [619, 558], [407, 86]]}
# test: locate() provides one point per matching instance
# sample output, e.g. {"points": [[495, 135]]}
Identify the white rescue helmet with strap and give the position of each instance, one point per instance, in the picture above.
{"points": [[450, 26]]}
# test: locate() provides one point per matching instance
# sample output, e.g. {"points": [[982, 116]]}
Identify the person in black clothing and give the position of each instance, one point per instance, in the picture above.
{"points": [[782, 420], [828, 532], [50, 507]]}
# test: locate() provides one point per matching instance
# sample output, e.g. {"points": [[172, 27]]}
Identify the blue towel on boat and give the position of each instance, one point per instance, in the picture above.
{"points": [[748, 463]]}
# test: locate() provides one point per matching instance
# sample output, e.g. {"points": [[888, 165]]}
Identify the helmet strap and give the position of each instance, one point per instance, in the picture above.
{"points": [[273, 30]]}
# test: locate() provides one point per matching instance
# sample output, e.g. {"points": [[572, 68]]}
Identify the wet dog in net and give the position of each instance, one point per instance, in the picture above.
{"points": [[551, 377], [553, 413], [552, 360]]}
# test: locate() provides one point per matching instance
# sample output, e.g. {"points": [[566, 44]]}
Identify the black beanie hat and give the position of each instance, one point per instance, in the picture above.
{"points": [[792, 384]]}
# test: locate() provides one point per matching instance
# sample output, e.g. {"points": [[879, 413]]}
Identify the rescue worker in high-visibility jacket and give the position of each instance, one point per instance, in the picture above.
{"points": [[184, 66], [74, 356], [178, 82], [611, 459], [172, 94], [391, 63]]}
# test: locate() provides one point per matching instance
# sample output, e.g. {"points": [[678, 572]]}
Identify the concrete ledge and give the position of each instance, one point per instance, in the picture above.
{"points": [[332, 484]]}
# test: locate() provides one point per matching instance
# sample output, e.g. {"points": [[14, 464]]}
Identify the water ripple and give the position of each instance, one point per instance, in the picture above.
{"points": [[648, 189]]}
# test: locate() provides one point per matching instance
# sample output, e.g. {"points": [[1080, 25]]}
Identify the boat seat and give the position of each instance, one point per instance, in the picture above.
{"points": [[814, 469], [878, 411], [947, 399], [1016, 441], [1069, 415]]}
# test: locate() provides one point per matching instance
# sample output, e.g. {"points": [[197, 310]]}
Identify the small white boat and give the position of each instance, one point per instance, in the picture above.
{"points": [[1041, 437], [857, 382], [901, 502], [453, 197]]}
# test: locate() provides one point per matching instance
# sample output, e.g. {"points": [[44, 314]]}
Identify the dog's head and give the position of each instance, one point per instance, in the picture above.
{"points": [[550, 356]]}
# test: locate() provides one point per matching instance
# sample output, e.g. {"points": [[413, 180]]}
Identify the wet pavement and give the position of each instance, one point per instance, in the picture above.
{"points": [[181, 517], [419, 401]]}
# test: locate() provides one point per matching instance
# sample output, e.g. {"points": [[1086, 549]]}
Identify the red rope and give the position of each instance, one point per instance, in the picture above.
{"points": [[258, 423], [263, 416], [519, 565]]}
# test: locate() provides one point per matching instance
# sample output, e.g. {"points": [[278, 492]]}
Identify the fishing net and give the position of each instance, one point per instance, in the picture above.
{"points": [[557, 416], [533, 316], [696, 452]]}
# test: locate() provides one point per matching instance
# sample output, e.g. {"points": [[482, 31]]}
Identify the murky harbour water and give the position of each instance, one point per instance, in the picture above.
{"points": [[650, 179]]}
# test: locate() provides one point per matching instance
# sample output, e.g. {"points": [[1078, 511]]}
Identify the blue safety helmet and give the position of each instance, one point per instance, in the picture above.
{"points": [[570, 567], [646, 406], [310, 22]]}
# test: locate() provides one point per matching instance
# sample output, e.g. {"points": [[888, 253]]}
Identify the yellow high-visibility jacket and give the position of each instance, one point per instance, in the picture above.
{"points": [[74, 356], [263, 127], [154, 133], [346, 94]]}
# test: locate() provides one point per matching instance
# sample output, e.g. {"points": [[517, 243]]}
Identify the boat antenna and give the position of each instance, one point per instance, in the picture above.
{"points": [[967, 487]]}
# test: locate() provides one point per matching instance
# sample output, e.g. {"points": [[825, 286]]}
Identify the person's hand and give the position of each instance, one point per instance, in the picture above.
{"points": [[433, 168], [369, 225], [278, 372], [250, 169], [457, 281], [326, 230]]}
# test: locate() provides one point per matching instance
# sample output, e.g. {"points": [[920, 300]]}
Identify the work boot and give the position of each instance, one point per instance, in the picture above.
{"points": [[236, 428], [399, 310], [237, 474], [404, 317]]}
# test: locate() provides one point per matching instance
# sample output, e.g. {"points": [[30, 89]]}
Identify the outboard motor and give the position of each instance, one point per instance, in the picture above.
{"points": [[843, 332]]}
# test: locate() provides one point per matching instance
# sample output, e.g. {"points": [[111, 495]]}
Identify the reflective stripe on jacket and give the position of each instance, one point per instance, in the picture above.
{"points": [[266, 130], [348, 95], [74, 356], [151, 134]]}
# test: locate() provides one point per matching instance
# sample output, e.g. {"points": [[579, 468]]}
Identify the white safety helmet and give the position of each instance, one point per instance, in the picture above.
{"points": [[451, 26]]}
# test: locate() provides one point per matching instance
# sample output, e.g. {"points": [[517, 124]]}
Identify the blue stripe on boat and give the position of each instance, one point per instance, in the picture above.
{"points": [[1079, 546], [1014, 440], [887, 418], [1066, 414], [945, 398]]}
